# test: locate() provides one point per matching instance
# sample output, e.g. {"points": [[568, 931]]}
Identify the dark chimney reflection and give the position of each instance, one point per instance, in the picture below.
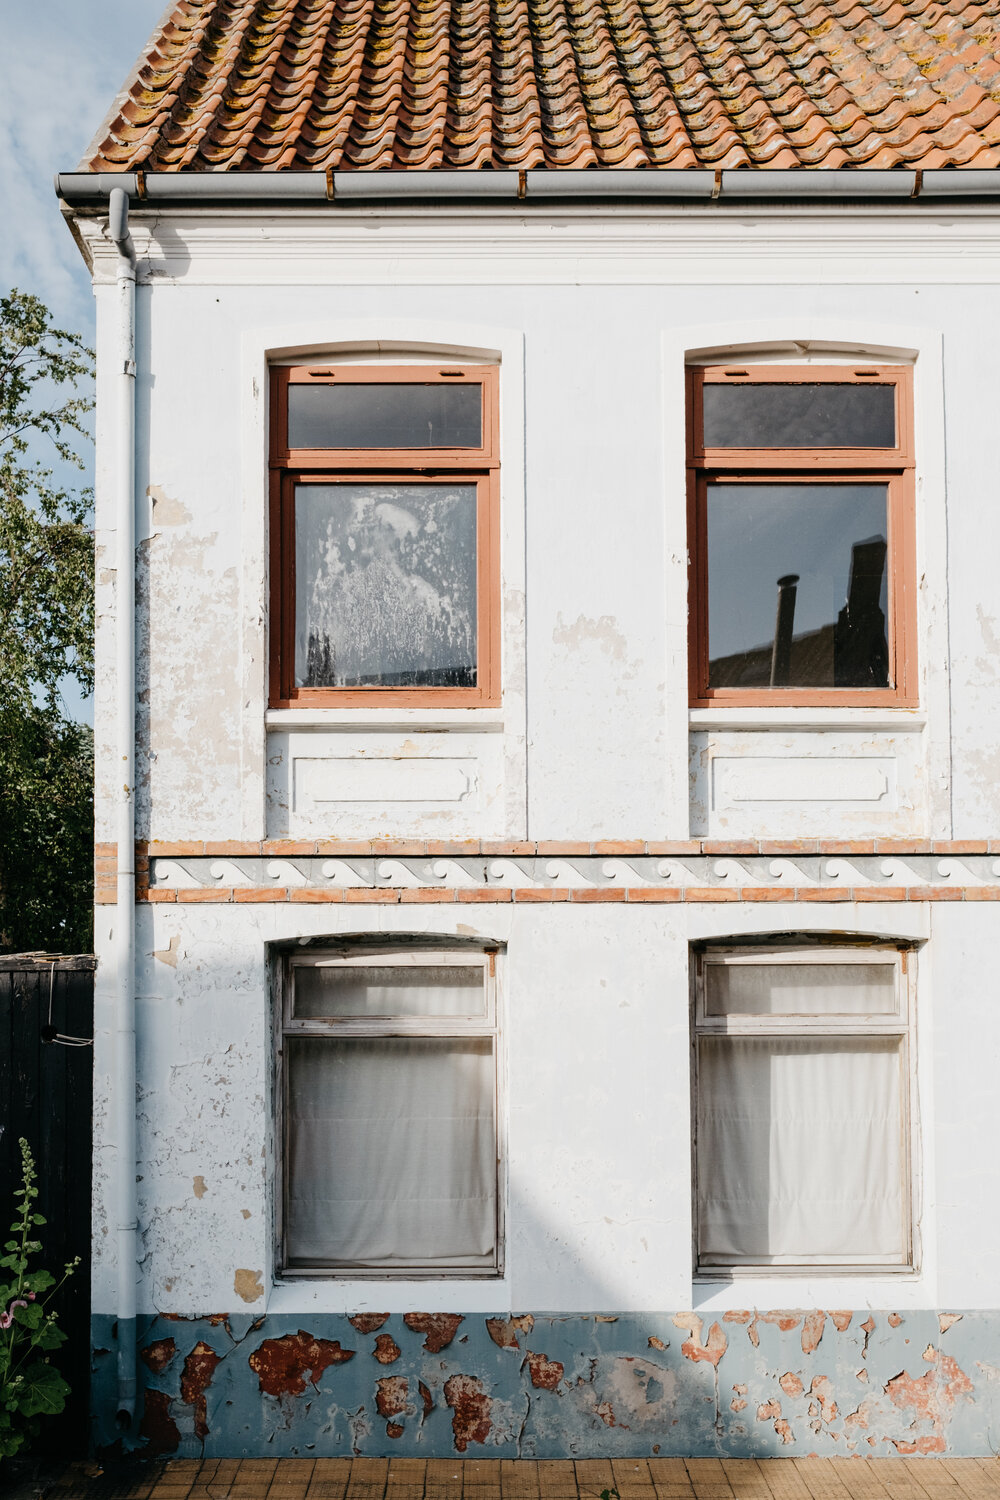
{"points": [[826, 545]]}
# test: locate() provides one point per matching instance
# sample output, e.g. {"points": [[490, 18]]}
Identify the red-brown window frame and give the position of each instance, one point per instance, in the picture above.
{"points": [[293, 466], [892, 466]]}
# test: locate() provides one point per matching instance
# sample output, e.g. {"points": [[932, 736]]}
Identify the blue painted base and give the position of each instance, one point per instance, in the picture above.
{"points": [[554, 1386]]}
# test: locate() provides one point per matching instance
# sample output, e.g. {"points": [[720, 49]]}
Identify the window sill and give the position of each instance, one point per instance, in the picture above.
{"points": [[422, 720], [464, 1296], [894, 720]]}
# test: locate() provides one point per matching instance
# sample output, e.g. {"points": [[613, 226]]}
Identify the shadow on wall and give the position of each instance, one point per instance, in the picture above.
{"points": [[584, 1383]]}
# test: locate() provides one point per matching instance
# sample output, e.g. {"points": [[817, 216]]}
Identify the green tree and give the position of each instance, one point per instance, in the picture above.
{"points": [[46, 634]]}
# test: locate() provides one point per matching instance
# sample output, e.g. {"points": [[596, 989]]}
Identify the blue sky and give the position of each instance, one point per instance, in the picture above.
{"points": [[61, 64]]}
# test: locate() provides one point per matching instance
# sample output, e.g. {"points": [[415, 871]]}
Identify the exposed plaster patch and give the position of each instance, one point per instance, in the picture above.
{"points": [[714, 1346], [157, 1356], [604, 631], [390, 1395], [199, 1188], [281, 1364], [504, 1331], [368, 1322], [199, 1367], [440, 1328], [471, 1420], [166, 510], [948, 1320], [169, 954], [545, 1373], [247, 1284], [158, 1426], [812, 1330]]}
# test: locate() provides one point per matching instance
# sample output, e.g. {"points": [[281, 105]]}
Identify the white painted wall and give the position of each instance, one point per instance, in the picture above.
{"points": [[594, 1027], [593, 452], [590, 319]]}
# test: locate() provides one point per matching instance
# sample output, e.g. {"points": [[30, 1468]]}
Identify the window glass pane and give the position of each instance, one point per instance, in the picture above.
{"points": [[385, 585], [800, 416], [383, 990], [800, 1149], [385, 416], [800, 989], [391, 1152], [797, 585]]}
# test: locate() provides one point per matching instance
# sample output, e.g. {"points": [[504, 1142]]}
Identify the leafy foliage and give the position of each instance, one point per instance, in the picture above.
{"points": [[46, 634], [30, 1387]]}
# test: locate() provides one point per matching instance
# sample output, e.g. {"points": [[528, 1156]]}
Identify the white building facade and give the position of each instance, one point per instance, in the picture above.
{"points": [[549, 1050]]}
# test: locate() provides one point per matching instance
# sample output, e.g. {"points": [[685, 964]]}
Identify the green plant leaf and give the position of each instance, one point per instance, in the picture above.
{"points": [[45, 1390], [30, 1316]]}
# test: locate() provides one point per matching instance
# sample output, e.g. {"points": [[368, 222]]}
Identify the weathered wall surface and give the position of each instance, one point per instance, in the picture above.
{"points": [[590, 319], [791, 1383], [593, 456]]}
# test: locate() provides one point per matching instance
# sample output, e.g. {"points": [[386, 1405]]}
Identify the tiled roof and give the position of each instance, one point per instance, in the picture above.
{"points": [[303, 85]]}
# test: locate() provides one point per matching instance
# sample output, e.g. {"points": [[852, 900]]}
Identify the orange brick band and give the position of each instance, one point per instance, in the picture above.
{"points": [[492, 895], [545, 849]]}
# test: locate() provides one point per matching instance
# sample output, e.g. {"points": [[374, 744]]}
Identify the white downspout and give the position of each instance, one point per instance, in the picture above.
{"points": [[124, 782]]}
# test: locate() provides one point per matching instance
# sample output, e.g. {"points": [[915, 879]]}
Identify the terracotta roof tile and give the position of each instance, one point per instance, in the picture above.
{"points": [[266, 85]]}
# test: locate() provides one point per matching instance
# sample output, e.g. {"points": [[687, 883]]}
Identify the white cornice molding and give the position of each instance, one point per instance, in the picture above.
{"points": [[824, 246]]}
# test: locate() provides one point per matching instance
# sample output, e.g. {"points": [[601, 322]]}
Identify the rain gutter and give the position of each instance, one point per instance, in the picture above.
{"points": [[123, 959], [761, 184]]}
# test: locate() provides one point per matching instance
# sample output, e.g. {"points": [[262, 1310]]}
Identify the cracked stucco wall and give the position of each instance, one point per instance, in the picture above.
{"points": [[580, 1385]]}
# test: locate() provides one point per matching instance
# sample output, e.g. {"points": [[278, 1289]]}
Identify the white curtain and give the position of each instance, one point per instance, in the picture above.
{"points": [[389, 990], [800, 989], [800, 1149], [391, 1155]]}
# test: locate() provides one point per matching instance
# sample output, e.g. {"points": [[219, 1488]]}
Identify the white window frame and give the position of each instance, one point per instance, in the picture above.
{"points": [[799, 949], [400, 953]]}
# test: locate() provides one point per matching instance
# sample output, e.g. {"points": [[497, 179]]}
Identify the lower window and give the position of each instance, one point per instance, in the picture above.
{"points": [[388, 1066], [802, 1060]]}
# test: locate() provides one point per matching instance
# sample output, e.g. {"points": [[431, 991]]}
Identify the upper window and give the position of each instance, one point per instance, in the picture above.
{"points": [[802, 1064], [385, 536], [801, 535], [388, 1076]]}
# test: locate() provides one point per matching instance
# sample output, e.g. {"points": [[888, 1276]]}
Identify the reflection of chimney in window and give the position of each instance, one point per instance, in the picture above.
{"points": [[860, 647], [781, 651]]}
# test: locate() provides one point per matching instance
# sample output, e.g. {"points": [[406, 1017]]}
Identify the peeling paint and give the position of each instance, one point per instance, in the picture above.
{"points": [[158, 1426], [390, 1395], [471, 1421], [715, 1345], [368, 1322], [504, 1331], [281, 1364], [812, 1330], [157, 1356], [599, 1388], [440, 1328], [199, 1367], [545, 1373]]}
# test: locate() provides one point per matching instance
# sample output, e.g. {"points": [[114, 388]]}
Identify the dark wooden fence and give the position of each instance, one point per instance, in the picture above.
{"points": [[46, 1096]]}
